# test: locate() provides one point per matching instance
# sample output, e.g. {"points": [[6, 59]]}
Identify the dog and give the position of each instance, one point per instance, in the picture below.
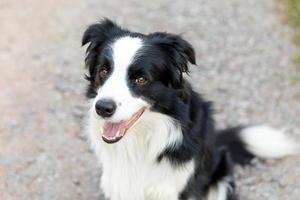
{"points": [[153, 134]]}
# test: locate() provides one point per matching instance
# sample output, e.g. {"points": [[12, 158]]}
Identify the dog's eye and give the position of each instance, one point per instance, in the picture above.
{"points": [[141, 80], [103, 72]]}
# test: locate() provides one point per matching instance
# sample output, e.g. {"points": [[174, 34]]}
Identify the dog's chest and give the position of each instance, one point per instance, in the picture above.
{"points": [[130, 167], [136, 175]]}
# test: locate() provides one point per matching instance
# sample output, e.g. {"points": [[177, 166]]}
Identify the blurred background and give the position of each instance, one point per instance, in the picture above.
{"points": [[246, 63]]}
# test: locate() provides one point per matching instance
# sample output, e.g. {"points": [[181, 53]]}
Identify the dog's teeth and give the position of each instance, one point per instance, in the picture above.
{"points": [[120, 134]]}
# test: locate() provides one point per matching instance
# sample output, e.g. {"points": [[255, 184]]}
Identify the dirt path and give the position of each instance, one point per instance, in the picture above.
{"points": [[244, 55]]}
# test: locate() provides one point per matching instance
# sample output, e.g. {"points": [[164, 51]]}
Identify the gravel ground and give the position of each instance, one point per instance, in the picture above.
{"points": [[244, 57]]}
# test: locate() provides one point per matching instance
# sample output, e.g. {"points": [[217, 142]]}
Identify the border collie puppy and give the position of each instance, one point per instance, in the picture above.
{"points": [[152, 133]]}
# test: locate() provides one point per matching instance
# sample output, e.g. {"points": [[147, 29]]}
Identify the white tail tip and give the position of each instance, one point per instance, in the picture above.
{"points": [[267, 142]]}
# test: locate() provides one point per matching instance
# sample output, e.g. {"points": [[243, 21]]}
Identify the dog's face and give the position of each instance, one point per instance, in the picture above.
{"points": [[132, 72]]}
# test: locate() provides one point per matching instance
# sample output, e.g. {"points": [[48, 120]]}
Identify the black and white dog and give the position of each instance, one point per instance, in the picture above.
{"points": [[153, 134]]}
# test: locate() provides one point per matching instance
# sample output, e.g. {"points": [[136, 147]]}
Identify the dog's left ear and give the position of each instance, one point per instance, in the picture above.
{"points": [[179, 51]]}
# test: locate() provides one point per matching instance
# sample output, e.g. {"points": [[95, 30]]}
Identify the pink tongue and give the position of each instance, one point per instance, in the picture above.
{"points": [[110, 130]]}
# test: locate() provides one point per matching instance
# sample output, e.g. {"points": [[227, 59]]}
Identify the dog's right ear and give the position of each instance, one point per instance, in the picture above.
{"points": [[97, 35]]}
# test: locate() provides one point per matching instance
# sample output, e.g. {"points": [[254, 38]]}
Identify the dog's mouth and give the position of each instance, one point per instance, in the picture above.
{"points": [[113, 132]]}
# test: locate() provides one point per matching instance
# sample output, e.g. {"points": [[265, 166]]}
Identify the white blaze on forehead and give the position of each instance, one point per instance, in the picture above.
{"points": [[124, 50]]}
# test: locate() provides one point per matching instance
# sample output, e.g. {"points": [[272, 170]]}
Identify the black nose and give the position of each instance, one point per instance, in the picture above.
{"points": [[105, 107]]}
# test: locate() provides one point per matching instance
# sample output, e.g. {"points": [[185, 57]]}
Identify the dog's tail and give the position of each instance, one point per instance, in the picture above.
{"points": [[242, 144], [245, 143]]}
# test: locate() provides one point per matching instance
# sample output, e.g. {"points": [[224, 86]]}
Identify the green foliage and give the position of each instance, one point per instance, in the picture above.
{"points": [[293, 13], [294, 16]]}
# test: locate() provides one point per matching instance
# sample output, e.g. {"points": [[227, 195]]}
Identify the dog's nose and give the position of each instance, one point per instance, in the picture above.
{"points": [[105, 107]]}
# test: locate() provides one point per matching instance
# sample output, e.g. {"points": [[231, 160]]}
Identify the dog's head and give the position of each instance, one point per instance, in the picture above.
{"points": [[132, 72]]}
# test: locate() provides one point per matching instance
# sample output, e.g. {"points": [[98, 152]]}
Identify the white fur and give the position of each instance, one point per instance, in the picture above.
{"points": [[266, 142], [115, 87], [130, 169], [219, 191]]}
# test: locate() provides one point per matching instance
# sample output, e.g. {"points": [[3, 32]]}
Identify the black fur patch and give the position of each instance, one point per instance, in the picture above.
{"points": [[230, 139]]}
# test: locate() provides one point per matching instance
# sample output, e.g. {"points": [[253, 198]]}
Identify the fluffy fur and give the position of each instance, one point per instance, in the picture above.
{"points": [[172, 152]]}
